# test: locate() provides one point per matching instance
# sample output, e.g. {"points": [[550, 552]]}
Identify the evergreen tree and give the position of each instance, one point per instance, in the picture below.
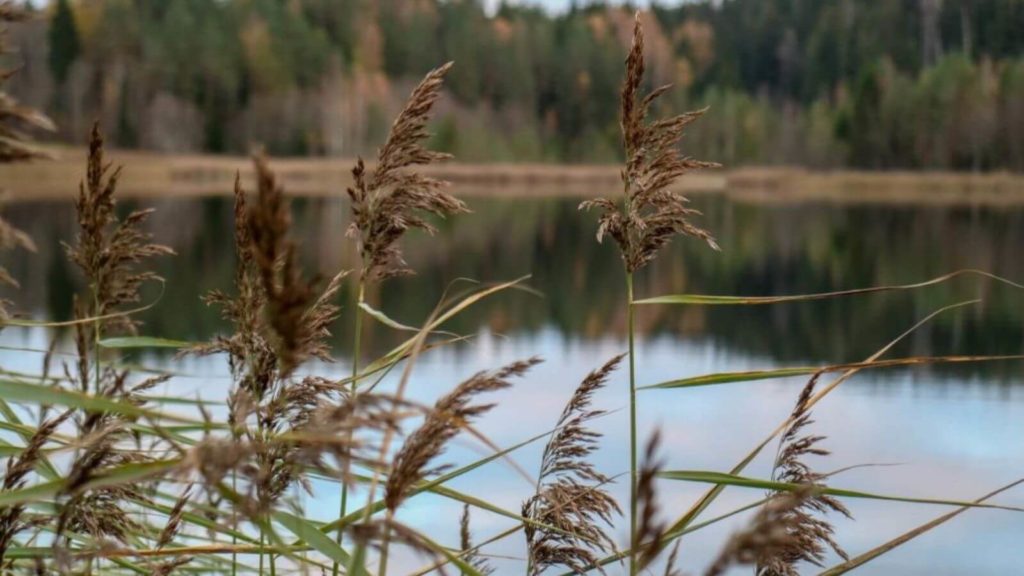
{"points": [[65, 43]]}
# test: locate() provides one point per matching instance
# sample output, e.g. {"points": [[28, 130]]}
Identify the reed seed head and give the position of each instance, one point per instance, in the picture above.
{"points": [[651, 213], [769, 532], [471, 554], [108, 249], [810, 533], [392, 199], [450, 414], [572, 494]]}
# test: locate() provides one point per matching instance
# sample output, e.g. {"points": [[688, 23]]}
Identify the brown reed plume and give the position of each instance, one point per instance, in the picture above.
{"points": [[769, 532], [450, 414], [472, 555], [650, 537], [571, 494], [108, 249], [651, 213], [810, 535], [389, 200], [170, 531], [298, 315]]}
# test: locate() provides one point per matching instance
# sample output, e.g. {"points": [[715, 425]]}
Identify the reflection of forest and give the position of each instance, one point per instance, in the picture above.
{"points": [[778, 249]]}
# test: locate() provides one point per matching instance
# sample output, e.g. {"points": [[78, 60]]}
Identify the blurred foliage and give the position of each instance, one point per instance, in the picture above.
{"points": [[895, 84]]}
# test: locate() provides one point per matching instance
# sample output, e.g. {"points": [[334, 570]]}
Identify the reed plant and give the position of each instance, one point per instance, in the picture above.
{"points": [[109, 477], [650, 213]]}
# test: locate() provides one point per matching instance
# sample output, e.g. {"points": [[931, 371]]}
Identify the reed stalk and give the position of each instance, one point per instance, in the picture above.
{"points": [[630, 328], [357, 338]]}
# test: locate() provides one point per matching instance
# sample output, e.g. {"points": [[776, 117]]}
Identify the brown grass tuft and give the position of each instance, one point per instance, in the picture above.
{"points": [[450, 414], [571, 494], [390, 200], [651, 214]]}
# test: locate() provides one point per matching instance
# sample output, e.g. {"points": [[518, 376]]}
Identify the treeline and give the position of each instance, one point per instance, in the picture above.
{"points": [[894, 84]]}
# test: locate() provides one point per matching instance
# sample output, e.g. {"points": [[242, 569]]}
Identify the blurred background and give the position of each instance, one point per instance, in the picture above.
{"points": [[936, 84], [184, 88]]}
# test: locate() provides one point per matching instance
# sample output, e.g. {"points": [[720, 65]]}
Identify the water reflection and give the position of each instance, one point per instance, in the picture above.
{"points": [[767, 249]]}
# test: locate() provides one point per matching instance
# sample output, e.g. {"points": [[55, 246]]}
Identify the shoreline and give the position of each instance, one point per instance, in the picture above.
{"points": [[152, 175]]}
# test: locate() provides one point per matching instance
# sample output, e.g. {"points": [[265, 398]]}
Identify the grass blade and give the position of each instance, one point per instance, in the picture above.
{"points": [[723, 479], [713, 300], [775, 373], [870, 555]]}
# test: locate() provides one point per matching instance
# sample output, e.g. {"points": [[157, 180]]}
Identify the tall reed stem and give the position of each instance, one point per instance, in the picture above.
{"points": [[632, 426], [357, 341]]}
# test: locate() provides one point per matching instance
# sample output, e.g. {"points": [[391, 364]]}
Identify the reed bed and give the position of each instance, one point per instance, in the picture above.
{"points": [[105, 477]]}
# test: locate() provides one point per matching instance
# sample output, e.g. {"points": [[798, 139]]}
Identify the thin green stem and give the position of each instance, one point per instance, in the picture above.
{"points": [[357, 341], [262, 545], [234, 525], [97, 336], [632, 425], [382, 566]]}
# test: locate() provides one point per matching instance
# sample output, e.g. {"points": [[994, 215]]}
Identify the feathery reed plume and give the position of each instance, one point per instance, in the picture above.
{"points": [[472, 555], [810, 534], [15, 144], [650, 536], [571, 495], [651, 212], [450, 414], [770, 531], [298, 315], [387, 201], [108, 248]]}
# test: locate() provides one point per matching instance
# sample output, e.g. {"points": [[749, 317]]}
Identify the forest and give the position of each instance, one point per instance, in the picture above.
{"points": [[907, 84]]}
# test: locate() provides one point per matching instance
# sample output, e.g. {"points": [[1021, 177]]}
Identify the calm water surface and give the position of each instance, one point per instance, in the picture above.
{"points": [[951, 432]]}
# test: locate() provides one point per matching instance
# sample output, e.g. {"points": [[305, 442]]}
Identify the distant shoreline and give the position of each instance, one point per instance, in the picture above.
{"points": [[151, 175]]}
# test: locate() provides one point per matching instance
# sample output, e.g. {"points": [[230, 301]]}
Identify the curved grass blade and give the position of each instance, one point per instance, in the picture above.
{"points": [[775, 373], [89, 320], [29, 393], [143, 342], [123, 474], [391, 323], [311, 535], [870, 555], [712, 300], [723, 479]]}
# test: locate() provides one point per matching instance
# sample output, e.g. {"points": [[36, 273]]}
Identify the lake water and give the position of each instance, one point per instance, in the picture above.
{"points": [[949, 431]]}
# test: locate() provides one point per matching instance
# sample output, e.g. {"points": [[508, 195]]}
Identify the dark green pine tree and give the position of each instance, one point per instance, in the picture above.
{"points": [[65, 43]]}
